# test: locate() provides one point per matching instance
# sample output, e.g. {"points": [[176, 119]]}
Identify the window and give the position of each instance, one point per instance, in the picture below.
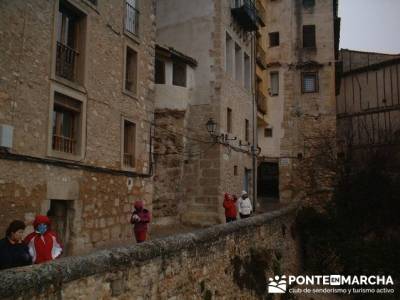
{"points": [[238, 63], [247, 72], [132, 17], [229, 120], [273, 39], [268, 132], [129, 144], [235, 170], [66, 124], [274, 89], [229, 55], [310, 82], [179, 74], [131, 70], [308, 3], [69, 56], [159, 72], [93, 2], [246, 130], [309, 36]]}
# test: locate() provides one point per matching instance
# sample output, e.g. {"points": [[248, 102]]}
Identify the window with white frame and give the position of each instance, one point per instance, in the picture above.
{"points": [[274, 88], [309, 82]]}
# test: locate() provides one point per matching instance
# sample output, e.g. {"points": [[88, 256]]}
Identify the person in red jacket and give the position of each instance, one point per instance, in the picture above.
{"points": [[43, 243], [230, 207], [140, 218]]}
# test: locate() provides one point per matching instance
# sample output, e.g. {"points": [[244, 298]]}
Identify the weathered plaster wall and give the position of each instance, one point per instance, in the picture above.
{"points": [[223, 261]]}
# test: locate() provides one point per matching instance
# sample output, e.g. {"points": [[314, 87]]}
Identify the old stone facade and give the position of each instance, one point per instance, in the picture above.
{"points": [[222, 91], [368, 105], [302, 37], [76, 87]]}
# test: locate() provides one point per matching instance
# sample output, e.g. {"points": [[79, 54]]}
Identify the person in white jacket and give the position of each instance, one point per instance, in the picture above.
{"points": [[244, 206]]}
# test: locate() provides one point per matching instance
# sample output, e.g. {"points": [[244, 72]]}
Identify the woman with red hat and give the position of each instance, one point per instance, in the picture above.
{"points": [[43, 243], [140, 218], [230, 207]]}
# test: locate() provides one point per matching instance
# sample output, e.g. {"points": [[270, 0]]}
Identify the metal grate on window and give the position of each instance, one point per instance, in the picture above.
{"points": [[310, 84], [274, 39]]}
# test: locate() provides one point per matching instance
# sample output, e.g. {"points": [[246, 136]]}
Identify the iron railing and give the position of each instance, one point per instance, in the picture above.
{"points": [[129, 160], [245, 12], [66, 62], [64, 144], [131, 19]]}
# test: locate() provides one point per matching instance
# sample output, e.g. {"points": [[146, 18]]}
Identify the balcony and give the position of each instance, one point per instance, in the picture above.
{"points": [[261, 102], [261, 57], [131, 19], [245, 13], [66, 62], [64, 144]]}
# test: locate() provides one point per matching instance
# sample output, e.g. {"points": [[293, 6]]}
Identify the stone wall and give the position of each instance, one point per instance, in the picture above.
{"points": [[231, 261], [98, 201], [169, 148]]}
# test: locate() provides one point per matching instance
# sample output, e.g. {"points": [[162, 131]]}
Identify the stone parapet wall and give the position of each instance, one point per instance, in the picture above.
{"points": [[225, 261]]}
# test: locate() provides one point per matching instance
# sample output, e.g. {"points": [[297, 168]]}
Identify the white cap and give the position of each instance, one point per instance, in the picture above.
{"points": [[244, 193]]}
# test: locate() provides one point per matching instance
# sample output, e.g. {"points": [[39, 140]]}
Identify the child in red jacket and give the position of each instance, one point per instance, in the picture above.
{"points": [[140, 218], [43, 243], [230, 207]]}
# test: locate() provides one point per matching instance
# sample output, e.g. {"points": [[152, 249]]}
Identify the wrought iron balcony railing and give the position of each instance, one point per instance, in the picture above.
{"points": [[129, 160], [66, 62], [245, 13], [64, 144], [131, 19]]}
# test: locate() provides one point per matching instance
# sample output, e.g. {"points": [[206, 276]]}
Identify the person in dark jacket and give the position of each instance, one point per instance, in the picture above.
{"points": [[140, 218], [230, 207], [13, 252]]}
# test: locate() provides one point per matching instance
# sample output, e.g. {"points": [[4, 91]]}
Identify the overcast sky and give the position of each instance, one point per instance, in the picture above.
{"points": [[370, 25]]}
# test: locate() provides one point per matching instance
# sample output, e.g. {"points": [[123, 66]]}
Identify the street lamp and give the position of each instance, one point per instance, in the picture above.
{"points": [[211, 127]]}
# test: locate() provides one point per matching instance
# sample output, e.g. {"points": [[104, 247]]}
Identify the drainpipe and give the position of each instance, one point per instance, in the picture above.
{"points": [[255, 144]]}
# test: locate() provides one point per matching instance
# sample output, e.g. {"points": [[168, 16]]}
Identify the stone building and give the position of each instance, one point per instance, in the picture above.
{"points": [[368, 105], [220, 36], [302, 38], [76, 104]]}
